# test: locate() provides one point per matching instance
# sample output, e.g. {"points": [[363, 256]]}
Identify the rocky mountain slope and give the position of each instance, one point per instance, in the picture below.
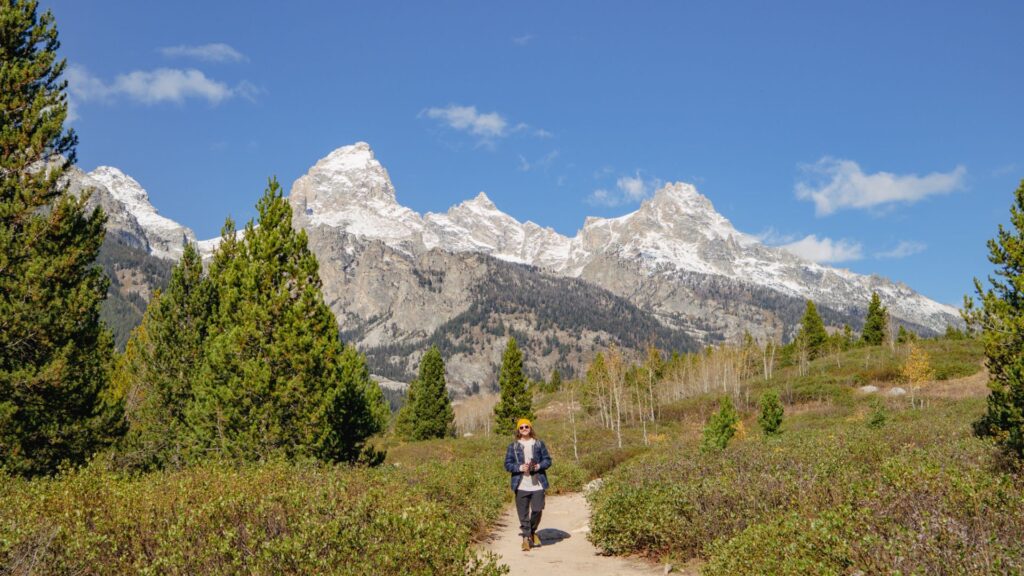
{"points": [[674, 272], [674, 256]]}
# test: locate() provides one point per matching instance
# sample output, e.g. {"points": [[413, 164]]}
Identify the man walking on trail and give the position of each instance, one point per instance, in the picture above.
{"points": [[527, 459]]}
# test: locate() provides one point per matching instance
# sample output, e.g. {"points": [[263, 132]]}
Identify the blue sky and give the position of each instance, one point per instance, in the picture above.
{"points": [[884, 137]]}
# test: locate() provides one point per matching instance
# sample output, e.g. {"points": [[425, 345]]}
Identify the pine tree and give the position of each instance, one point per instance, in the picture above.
{"points": [[1001, 320], [875, 323], [515, 401], [276, 377], [428, 413], [770, 418], [812, 332], [158, 371], [721, 427], [555, 381], [55, 356]]}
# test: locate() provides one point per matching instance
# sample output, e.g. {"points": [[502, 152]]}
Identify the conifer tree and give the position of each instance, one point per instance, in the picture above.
{"points": [[812, 332], [770, 418], [158, 371], [428, 411], [276, 377], [721, 427], [875, 323], [55, 356], [555, 381], [1001, 320], [515, 401]]}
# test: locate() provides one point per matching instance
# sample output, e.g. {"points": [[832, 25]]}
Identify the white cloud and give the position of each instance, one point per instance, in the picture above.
{"points": [[602, 197], [467, 119], [488, 127], [825, 249], [543, 162], [170, 85], [72, 110], [773, 237], [836, 184], [628, 190], [152, 87], [217, 52], [523, 40], [633, 187], [903, 249]]}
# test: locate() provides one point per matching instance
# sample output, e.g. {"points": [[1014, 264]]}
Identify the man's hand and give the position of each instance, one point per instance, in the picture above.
{"points": [[523, 467]]}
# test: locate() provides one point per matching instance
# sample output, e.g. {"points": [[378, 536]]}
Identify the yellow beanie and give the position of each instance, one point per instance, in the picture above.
{"points": [[523, 421]]}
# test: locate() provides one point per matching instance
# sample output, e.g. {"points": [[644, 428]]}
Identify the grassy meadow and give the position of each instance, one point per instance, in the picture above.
{"points": [[856, 482]]}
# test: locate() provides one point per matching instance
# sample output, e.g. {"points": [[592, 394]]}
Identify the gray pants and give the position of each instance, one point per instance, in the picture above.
{"points": [[529, 505]]}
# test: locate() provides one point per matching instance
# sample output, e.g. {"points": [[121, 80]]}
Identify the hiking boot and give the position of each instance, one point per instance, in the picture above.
{"points": [[536, 539], [526, 544]]}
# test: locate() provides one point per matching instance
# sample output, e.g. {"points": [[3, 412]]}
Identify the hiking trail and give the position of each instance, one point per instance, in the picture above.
{"points": [[565, 550]]}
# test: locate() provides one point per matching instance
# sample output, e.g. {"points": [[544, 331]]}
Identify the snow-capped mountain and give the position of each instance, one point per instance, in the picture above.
{"points": [[676, 232], [166, 237], [674, 271], [130, 216]]}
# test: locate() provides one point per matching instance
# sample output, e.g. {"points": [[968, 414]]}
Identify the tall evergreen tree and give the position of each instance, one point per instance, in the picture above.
{"points": [[276, 377], [875, 323], [158, 371], [515, 401], [812, 332], [429, 412], [55, 356], [555, 381], [1001, 320]]}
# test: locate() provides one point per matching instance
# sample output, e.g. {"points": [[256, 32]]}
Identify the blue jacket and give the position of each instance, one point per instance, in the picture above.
{"points": [[514, 458]]}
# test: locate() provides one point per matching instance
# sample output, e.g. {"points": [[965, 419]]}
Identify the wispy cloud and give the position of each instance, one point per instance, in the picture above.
{"points": [[773, 237], [216, 52], [903, 249], [628, 190], [834, 184], [1004, 170], [523, 40], [154, 86], [543, 162], [467, 119], [487, 127], [825, 249]]}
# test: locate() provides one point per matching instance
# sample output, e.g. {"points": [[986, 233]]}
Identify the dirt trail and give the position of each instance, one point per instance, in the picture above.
{"points": [[565, 550]]}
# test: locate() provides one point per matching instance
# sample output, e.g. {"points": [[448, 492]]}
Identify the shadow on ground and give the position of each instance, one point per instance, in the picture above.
{"points": [[550, 536]]}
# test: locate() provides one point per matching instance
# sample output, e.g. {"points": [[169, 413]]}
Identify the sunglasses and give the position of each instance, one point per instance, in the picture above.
{"points": [[524, 427]]}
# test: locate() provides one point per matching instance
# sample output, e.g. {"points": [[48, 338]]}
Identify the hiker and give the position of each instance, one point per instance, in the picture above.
{"points": [[527, 459]]}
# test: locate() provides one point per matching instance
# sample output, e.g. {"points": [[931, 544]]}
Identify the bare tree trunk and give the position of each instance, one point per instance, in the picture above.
{"points": [[572, 420], [650, 390]]}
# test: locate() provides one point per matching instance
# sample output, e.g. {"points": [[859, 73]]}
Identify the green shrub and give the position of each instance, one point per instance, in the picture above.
{"points": [[567, 476], [721, 427], [918, 517], [878, 415], [770, 418], [925, 492], [270, 518]]}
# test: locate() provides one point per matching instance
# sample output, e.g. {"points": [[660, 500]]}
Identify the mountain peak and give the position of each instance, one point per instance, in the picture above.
{"points": [[354, 157], [121, 186], [682, 194], [165, 236], [350, 174], [482, 198]]}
